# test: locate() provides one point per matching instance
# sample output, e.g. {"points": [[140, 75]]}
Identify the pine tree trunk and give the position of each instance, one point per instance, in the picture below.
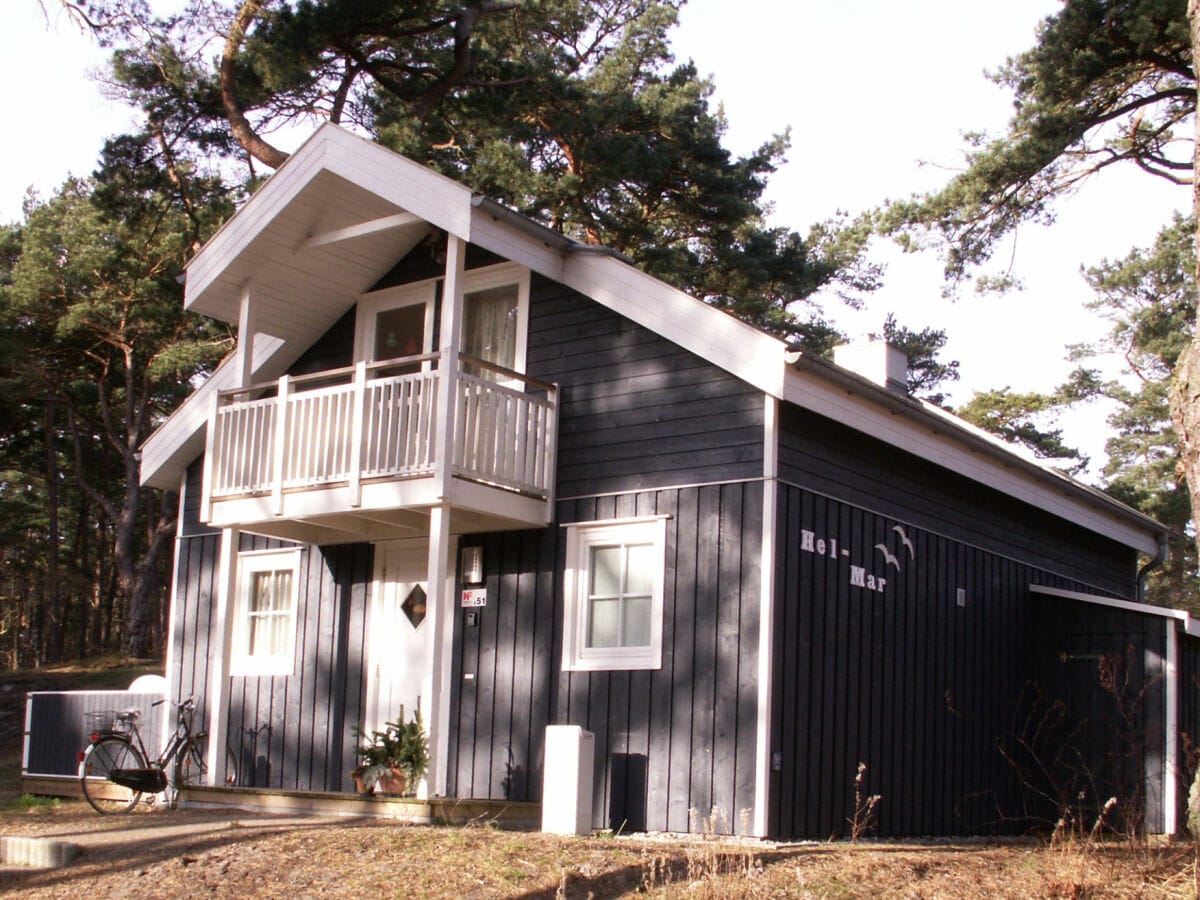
{"points": [[54, 594], [1185, 391]]}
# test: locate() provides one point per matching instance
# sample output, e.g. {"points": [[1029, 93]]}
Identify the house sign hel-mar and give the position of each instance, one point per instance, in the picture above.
{"points": [[875, 580]]}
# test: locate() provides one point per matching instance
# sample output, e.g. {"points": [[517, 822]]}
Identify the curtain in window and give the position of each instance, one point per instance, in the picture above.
{"points": [[270, 614], [490, 326]]}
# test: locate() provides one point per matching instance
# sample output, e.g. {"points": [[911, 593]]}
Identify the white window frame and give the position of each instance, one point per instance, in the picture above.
{"points": [[241, 661], [581, 538], [500, 275], [371, 305]]}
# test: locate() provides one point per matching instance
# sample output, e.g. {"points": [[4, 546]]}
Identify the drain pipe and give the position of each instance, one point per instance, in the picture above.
{"points": [[1159, 558]]}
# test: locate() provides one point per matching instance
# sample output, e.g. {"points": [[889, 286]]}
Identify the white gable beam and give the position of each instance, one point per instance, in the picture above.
{"points": [[387, 223], [247, 323]]}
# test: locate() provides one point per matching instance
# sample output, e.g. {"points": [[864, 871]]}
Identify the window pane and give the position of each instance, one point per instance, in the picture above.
{"points": [[269, 614], [259, 643], [400, 332], [640, 576], [283, 590], [637, 622], [260, 592], [604, 623], [606, 572], [490, 326], [280, 626]]}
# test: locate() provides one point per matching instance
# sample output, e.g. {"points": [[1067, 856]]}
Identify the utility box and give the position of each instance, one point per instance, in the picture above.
{"points": [[567, 780]]}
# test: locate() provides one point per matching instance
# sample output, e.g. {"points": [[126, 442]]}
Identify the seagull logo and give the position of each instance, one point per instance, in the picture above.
{"points": [[888, 558], [906, 541]]}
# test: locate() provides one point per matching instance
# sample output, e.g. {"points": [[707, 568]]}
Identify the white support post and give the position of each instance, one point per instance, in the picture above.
{"points": [[173, 680], [451, 334], [217, 694], [439, 609], [280, 450], [357, 437], [550, 462], [1171, 770], [766, 617], [211, 467]]}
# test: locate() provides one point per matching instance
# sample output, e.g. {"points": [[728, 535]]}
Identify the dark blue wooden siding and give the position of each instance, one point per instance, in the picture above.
{"points": [[831, 459], [296, 731], [921, 689], [287, 731], [669, 742], [636, 411], [1108, 667]]}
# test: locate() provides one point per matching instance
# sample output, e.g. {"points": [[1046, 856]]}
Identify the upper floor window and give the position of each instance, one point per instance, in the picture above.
{"points": [[399, 321]]}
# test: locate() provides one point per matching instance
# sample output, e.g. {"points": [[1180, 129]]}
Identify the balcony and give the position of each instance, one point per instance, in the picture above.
{"points": [[355, 453]]}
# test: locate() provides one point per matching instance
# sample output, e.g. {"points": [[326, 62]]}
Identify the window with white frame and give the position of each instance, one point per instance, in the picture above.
{"points": [[614, 594], [265, 630], [399, 321]]}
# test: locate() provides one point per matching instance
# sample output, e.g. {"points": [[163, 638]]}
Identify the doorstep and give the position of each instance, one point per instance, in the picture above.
{"points": [[435, 811]]}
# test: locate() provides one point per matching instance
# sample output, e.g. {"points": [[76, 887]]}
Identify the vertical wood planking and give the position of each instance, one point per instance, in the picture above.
{"points": [[905, 680], [647, 728]]}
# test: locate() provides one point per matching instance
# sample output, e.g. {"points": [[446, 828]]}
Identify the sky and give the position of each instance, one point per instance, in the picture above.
{"points": [[877, 94]]}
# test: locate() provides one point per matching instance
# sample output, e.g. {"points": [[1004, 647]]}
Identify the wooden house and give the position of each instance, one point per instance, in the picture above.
{"points": [[464, 464]]}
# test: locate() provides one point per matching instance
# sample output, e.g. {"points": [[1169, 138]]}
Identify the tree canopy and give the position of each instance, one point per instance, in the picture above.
{"points": [[1108, 82], [575, 114]]}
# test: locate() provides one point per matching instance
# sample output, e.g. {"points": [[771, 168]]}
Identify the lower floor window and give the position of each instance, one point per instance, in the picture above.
{"points": [[614, 595], [265, 635]]}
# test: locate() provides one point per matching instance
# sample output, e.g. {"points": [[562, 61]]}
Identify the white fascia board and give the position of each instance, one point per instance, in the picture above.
{"points": [[219, 252], [1181, 616], [751, 355], [506, 240], [409, 186], [1042, 490], [172, 446]]}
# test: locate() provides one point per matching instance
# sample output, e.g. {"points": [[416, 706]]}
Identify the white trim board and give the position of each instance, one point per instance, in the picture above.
{"points": [[1021, 480], [395, 190], [1186, 622]]}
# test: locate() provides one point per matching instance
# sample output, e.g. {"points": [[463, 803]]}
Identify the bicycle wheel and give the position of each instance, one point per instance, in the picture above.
{"points": [[110, 752], [191, 766]]}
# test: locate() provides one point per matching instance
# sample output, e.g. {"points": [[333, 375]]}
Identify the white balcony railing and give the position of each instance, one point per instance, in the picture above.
{"points": [[350, 425]]}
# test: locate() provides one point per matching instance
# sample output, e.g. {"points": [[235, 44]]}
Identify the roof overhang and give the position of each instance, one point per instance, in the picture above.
{"points": [[343, 210], [945, 440]]}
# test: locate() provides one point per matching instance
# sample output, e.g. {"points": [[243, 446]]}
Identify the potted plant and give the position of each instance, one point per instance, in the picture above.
{"points": [[413, 757], [394, 760]]}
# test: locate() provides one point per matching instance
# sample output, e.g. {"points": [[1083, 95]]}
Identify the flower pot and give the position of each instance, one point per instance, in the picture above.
{"points": [[391, 782], [360, 784]]}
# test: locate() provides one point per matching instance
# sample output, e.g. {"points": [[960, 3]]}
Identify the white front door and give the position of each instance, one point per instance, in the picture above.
{"points": [[399, 636]]}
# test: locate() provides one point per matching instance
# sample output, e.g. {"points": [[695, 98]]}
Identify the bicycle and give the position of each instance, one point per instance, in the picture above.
{"points": [[115, 769]]}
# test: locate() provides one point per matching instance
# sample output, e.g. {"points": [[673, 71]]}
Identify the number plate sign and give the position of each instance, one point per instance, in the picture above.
{"points": [[474, 597]]}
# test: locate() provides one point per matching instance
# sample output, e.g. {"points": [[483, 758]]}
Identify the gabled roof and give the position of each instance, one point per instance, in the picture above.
{"points": [[342, 210]]}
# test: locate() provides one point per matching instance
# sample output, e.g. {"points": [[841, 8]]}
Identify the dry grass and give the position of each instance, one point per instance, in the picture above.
{"points": [[226, 854], [223, 856]]}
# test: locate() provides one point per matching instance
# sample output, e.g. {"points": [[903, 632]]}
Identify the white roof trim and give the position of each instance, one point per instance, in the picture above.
{"points": [[757, 358], [166, 454], [1183, 617], [857, 404]]}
